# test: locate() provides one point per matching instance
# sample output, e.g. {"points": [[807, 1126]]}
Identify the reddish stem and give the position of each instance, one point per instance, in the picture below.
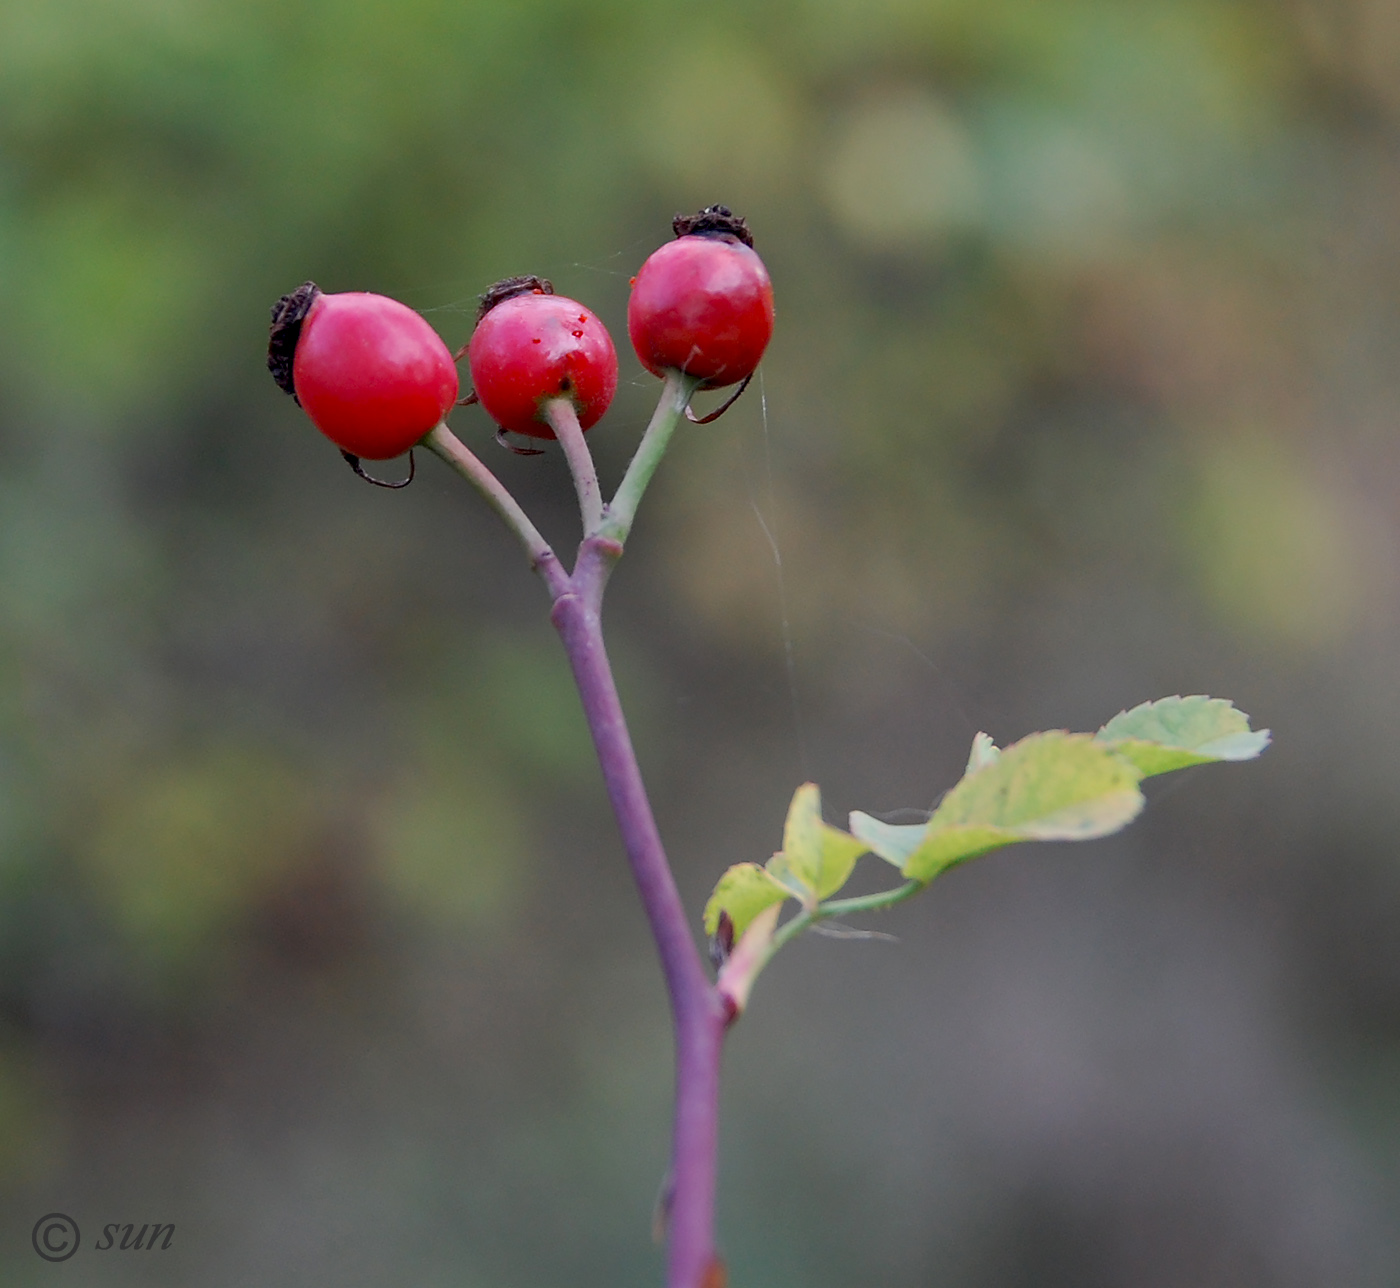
{"points": [[696, 1008], [698, 1012]]}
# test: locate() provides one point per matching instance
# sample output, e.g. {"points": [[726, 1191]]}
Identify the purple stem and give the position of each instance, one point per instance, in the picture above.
{"points": [[697, 1010]]}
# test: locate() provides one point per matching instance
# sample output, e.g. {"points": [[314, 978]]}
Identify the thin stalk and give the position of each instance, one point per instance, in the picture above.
{"points": [[808, 917], [870, 902], [622, 509], [563, 419], [444, 443], [697, 1012]]}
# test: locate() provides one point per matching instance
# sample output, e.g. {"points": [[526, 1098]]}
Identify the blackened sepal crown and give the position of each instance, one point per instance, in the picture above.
{"points": [[713, 221], [508, 287], [287, 316]]}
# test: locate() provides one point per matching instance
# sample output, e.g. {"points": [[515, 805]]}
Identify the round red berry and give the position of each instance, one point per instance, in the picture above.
{"points": [[703, 304], [373, 376], [531, 346]]}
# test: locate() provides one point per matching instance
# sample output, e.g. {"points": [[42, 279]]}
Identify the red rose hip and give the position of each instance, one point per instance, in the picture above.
{"points": [[703, 304], [373, 376], [531, 346]]}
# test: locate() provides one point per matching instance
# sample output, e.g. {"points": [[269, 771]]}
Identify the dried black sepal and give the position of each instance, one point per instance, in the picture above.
{"points": [[511, 286], [713, 221], [287, 316]]}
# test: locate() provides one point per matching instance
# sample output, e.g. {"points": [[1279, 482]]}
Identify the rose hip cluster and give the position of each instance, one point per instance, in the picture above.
{"points": [[375, 378]]}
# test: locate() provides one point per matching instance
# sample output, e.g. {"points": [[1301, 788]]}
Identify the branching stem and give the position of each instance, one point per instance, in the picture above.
{"points": [[444, 443], [697, 1009]]}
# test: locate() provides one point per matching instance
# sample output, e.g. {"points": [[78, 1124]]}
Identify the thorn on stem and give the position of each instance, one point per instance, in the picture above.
{"points": [[354, 462], [661, 1210], [716, 1276]]}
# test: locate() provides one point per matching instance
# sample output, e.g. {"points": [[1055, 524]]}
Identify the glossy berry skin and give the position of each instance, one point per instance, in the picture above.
{"points": [[702, 304], [373, 376], [533, 347]]}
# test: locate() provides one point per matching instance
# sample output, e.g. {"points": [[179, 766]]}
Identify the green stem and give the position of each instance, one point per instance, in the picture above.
{"points": [[622, 510], [870, 902], [563, 419], [444, 443], [808, 917]]}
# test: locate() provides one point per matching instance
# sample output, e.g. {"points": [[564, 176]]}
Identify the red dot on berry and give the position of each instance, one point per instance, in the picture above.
{"points": [[529, 348]]}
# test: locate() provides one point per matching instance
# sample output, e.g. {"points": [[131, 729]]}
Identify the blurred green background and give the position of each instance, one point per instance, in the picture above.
{"points": [[315, 934]]}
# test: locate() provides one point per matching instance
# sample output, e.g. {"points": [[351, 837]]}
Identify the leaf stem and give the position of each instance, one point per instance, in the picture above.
{"points": [[870, 902], [622, 510], [809, 917], [564, 420]]}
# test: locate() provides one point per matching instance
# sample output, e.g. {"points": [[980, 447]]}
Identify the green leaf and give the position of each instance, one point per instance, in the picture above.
{"points": [[743, 892], [984, 752], [1175, 732], [893, 842], [1052, 786], [816, 858]]}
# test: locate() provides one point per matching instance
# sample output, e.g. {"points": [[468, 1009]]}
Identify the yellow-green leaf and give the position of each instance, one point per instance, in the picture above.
{"points": [[1052, 786], [743, 892], [1173, 733], [816, 858]]}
